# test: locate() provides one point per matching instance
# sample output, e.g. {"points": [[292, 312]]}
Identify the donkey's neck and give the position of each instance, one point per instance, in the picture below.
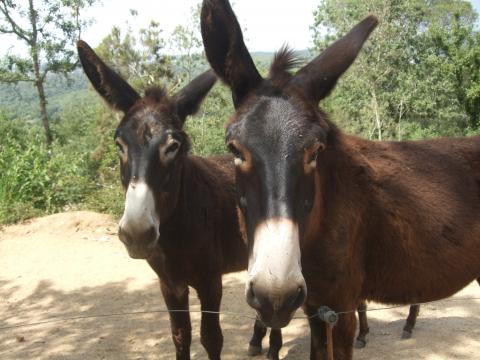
{"points": [[204, 188], [183, 201], [204, 222]]}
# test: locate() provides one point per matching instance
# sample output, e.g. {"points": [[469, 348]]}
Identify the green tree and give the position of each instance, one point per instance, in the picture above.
{"points": [[404, 82], [140, 59], [187, 47], [48, 29], [456, 55]]}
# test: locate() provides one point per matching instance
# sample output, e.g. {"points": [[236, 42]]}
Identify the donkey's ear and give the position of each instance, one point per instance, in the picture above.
{"points": [[319, 77], [225, 49], [188, 100], [116, 91]]}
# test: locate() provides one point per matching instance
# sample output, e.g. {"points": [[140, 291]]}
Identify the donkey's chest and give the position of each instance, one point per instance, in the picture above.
{"points": [[186, 260]]}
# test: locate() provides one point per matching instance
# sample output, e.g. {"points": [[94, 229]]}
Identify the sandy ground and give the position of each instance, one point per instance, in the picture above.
{"points": [[70, 264]]}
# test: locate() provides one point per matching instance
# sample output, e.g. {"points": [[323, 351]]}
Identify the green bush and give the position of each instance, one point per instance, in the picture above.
{"points": [[36, 179], [207, 129], [107, 196], [79, 170]]}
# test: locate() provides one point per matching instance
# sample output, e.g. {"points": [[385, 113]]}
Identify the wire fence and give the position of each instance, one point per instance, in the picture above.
{"points": [[227, 313]]}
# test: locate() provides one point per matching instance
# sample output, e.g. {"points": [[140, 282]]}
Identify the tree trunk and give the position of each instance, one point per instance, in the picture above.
{"points": [[473, 111], [39, 78], [43, 110], [377, 115]]}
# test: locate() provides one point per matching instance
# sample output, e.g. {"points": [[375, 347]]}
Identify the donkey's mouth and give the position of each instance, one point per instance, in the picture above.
{"points": [[275, 321], [142, 251]]}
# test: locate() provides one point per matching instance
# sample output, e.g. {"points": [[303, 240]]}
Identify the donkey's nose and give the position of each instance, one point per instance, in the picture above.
{"points": [[139, 244], [276, 308], [129, 237]]}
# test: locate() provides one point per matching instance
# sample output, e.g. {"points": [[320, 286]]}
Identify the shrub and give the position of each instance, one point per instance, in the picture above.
{"points": [[36, 179]]}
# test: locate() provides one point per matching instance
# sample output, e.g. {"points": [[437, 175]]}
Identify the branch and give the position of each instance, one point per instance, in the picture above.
{"points": [[16, 29], [44, 75], [7, 78], [47, 19], [15, 81]]}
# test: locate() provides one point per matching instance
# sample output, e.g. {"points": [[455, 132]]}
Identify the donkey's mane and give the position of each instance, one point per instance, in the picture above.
{"points": [[156, 93], [283, 62]]}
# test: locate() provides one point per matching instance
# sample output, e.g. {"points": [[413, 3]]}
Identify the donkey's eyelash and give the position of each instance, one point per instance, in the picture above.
{"points": [[236, 153], [313, 157], [172, 148], [119, 146]]}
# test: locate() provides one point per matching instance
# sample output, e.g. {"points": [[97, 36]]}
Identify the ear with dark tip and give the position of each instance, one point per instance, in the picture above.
{"points": [[116, 91], [319, 77], [187, 100], [226, 50]]}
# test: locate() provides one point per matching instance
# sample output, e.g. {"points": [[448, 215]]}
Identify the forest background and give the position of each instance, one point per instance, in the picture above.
{"points": [[417, 77]]}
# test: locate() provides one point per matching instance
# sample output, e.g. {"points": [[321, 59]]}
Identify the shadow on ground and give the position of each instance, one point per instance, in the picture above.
{"points": [[146, 336], [67, 271]]}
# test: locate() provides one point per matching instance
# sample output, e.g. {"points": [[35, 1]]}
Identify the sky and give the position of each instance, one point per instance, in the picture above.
{"points": [[269, 23]]}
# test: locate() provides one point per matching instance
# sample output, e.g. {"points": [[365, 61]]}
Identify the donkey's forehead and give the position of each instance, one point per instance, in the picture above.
{"points": [[275, 121], [145, 123]]}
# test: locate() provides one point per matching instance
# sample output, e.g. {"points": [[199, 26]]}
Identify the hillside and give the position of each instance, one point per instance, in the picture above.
{"points": [[21, 100]]}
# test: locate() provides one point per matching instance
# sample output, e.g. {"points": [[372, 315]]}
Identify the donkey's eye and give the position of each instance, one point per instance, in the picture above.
{"points": [[312, 157], [172, 148], [122, 150], [238, 158], [119, 147]]}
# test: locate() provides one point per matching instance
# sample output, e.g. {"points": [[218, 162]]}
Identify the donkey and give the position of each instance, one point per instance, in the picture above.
{"points": [[346, 218], [180, 211]]}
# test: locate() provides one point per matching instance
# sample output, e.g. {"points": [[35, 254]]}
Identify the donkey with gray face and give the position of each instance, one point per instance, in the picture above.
{"points": [[180, 210], [332, 219]]}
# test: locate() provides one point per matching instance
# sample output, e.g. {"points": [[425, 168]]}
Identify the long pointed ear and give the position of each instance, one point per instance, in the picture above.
{"points": [[319, 77], [226, 50], [188, 100], [116, 91]]}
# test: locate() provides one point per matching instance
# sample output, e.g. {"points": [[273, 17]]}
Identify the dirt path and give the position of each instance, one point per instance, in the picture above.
{"points": [[67, 264]]}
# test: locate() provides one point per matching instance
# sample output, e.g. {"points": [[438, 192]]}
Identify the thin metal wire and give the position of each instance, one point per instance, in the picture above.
{"points": [[83, 317], [231, 313], [399, 306]]}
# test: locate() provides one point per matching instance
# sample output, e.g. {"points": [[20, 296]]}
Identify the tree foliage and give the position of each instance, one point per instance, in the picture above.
{"points": [[417, 76], [187, 47], [48, 29], [140, 59]]}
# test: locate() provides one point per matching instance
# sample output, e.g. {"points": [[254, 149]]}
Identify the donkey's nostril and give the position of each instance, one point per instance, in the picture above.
{"points": [[252, 300], [152, 233], [123, 236], [301, 297]]}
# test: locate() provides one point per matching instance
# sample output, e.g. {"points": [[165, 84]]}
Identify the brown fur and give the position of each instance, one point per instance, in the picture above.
{"points": [[394, 222], [410, 211], [195, 199]]}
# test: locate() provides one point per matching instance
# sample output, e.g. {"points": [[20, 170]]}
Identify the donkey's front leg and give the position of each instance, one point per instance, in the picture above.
{"points": [[275, 344], [259, 332], [177, 299], [317, 334], [343, 336], [210, 295], [255, 344]]}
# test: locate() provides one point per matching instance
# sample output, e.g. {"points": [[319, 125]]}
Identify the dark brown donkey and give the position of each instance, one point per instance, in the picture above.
{"points": [[180, 213], [331, 215]]}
